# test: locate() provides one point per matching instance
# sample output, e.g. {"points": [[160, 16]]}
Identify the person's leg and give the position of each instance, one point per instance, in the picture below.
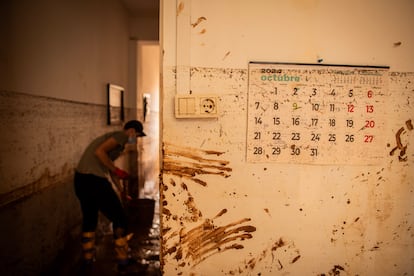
{"points": [[112, 208], [85, 187]]}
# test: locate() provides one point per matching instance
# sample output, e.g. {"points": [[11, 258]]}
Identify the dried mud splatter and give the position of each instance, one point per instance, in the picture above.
{"points": [[281, 253], [199, 20], [191, 214], [180, 8], [402, 157], [193, 246], [226, 55], [336, 270], [208, 239], [189, 163]]}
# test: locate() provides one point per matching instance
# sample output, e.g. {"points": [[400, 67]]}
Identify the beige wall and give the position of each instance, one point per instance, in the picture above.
{"points": [[67, 50], [56, 58], [222, 215]]}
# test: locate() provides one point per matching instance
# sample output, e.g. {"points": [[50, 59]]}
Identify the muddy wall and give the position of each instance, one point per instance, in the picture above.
{"points": [[55, 61], [222, 215]]}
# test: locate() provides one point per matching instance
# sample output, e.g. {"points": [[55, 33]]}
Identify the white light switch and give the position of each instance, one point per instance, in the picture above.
{"points": [[186, 106]]}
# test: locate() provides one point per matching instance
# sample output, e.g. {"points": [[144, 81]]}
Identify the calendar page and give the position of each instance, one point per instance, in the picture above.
{"points": [[316, 114]]}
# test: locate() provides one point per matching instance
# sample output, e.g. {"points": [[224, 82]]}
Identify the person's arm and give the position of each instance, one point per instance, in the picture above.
{"points": [[117, 182], [102, 153]]}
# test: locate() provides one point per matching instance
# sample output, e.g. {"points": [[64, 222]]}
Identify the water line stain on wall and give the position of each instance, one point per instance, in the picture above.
{"points": [[45, 130], [44, 182]]}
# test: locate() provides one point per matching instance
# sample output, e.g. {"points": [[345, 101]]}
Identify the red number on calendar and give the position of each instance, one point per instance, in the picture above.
{"points": [[368, 138], [370, 108], [369, 123]]}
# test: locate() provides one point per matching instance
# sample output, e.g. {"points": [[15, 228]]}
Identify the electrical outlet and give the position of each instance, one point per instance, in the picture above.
{"points": [[196, 106], [208, 105]]}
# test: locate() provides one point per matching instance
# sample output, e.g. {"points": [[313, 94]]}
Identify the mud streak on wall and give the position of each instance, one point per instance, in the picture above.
{"points": [[192, 245]]}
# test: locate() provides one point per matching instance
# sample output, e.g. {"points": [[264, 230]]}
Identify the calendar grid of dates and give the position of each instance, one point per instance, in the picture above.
{"points": [[314, 114]]}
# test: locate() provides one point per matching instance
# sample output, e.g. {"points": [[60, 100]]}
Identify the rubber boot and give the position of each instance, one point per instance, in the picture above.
{"points": [[122, 253], [88, 247]]}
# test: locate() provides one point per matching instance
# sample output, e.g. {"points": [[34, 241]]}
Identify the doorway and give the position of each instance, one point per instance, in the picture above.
{"points": [[148, 84]]}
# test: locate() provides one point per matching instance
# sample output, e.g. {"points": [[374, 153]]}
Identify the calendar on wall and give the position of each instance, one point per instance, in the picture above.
{"points": [[316, 114]]}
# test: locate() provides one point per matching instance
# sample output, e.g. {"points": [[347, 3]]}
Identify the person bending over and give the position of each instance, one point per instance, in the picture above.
{"points": [[95, 192]]}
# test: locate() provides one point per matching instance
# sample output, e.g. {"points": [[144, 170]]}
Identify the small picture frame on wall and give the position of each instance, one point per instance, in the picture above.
{"points": [[115, 104]]}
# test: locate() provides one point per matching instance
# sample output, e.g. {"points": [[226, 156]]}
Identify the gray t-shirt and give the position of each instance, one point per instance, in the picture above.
{"points": [[89, 162]]}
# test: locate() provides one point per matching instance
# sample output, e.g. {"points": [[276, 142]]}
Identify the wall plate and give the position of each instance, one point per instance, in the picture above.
{"points": [[196, 106]]}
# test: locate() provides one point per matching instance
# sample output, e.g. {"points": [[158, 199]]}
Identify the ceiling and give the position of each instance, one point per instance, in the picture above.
{"points": [[142, 8]]}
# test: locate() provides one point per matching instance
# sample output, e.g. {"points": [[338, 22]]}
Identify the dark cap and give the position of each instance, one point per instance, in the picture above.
{"points": [[135, 125]]}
